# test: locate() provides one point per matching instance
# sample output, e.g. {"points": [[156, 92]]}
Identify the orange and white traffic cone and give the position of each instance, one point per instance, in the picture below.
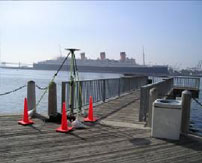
{"points": [[90, 117], [64, 124], [25, 119]]}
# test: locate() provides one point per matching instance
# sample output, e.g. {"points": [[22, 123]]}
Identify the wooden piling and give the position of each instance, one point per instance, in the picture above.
{"points": [[153, 95], [186, 105], [52, 99], [31, 96]]}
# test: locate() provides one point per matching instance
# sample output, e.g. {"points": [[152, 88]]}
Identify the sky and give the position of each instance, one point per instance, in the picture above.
{"points": [[171, 32]]}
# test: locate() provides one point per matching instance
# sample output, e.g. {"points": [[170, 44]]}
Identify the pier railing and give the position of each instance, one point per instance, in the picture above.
{"points": [[187, 82], [162, 87], [101, 89], [180, 81]]}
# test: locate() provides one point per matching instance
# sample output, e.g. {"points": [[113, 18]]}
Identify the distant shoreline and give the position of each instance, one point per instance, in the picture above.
{"points": [[25, 68], [127, 74]]}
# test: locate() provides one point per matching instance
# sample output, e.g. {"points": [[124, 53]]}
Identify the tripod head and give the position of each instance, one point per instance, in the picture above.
{"points": [[72, 50]]}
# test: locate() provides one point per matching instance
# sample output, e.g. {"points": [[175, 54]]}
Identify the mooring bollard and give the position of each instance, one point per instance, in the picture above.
{"points": [[31, 96], [186, 105], [153, 95], [52, 99]]}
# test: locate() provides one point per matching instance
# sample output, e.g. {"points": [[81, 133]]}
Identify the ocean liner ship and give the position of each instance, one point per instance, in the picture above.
{"points": [[104, 65]]}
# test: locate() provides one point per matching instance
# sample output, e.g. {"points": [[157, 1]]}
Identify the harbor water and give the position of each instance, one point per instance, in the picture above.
{"points": [[11, 79], [12, 103], [196, 114]]}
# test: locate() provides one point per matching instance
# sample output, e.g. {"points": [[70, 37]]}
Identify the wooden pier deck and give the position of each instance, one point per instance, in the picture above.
{"points": [[117, 137]]}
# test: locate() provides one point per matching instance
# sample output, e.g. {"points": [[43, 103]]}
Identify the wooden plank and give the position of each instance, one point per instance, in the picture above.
{"points": [[121, 139]]}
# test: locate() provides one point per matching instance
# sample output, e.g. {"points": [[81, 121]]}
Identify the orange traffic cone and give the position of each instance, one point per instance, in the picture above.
{"points": [[25, 120], [90, 117], [64, 124]]}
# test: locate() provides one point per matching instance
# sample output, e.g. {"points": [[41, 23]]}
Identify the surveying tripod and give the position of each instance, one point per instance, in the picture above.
{"points": [[74, 85]]}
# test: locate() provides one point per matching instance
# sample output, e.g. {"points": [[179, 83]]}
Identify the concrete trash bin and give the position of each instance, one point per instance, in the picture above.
{"points": [[166, 119]]}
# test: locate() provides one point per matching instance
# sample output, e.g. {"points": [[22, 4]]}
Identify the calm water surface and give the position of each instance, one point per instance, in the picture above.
{"points": [[11, 79], [196, 113]]}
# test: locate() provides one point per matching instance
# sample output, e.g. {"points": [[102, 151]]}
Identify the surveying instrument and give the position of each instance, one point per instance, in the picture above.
{"points": [[75, 93]]}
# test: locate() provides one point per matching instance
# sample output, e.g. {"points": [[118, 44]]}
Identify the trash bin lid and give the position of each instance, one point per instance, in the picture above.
{"points": [[168, 103]]}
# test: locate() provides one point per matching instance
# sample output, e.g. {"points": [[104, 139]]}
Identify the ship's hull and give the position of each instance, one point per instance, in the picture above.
{"points": [[144, 70]]}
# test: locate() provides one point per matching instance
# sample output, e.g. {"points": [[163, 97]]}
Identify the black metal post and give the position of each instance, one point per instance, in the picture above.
{"points": [[104, 92]]}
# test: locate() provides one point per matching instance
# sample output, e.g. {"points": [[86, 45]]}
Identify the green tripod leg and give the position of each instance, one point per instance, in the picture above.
{"points": [[75, 90]]}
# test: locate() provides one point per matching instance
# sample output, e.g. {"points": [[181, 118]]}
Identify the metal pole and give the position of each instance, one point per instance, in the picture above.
{"points": [[72, 98], [119, 87], [104, 91], [63, 94]]}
